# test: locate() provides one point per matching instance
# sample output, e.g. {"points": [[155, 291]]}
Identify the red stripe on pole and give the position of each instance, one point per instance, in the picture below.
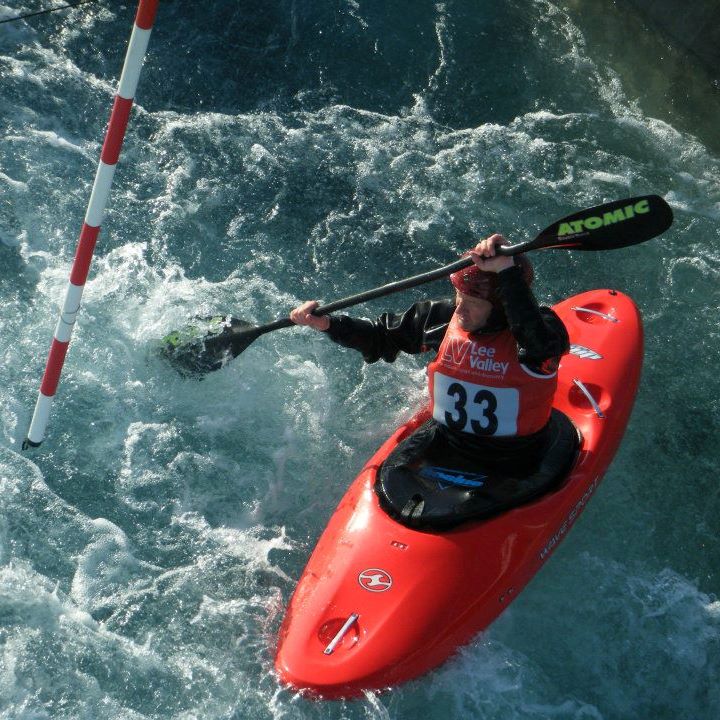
{"points": [[115, 134], [146, 14], [83, 254], [55, 361]]}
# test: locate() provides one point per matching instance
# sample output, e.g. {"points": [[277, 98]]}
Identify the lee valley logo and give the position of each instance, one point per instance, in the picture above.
{"points": [[481, 357], [609, 218]]}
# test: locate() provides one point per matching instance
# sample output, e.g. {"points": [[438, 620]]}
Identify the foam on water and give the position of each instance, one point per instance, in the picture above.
{"points": [[103, 635], [148, 549]]}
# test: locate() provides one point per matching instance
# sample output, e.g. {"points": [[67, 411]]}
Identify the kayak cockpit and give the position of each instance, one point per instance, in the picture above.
{"points": [[424, 495]]}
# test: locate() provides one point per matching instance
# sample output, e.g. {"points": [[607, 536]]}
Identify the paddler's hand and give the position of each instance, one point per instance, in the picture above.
{"points": [[302, 315], [485, 257]]}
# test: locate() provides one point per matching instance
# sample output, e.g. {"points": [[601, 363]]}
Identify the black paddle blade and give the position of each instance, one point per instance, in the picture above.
{"points": [[606, 227], [207, 344]]}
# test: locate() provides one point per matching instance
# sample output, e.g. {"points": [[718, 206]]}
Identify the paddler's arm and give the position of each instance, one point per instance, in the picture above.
{"points": [[540, 334], [419, 329]]}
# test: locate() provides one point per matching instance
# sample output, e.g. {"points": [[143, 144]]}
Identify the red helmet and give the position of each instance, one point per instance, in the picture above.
{"points": [[483, 284]]}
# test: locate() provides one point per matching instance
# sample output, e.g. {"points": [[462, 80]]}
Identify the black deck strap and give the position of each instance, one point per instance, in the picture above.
{"points": [[417, 500]]}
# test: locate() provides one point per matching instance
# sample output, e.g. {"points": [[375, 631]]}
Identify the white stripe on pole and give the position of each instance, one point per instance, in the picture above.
{"points": [[40, 419], [133, 62], [66, 321], [100, 194]]}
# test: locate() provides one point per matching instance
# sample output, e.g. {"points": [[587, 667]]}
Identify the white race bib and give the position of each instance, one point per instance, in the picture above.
{"points": [[476, 409]]}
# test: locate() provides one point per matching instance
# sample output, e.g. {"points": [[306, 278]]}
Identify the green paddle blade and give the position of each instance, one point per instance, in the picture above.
{"points": [[207, 344], [607, 227]]}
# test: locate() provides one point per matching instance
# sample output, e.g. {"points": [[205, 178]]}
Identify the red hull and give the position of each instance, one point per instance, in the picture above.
{"points": [[427, 612]]}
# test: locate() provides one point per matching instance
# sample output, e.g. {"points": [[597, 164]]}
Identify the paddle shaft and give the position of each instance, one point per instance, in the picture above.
{"points": [[390, 288], [611, 225]]}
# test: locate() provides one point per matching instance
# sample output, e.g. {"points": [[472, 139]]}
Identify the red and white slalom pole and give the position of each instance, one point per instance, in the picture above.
{"points": [[114, 137]]}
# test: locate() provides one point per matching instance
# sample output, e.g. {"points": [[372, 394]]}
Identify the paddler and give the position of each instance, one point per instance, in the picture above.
{"points": [[495, 372]]}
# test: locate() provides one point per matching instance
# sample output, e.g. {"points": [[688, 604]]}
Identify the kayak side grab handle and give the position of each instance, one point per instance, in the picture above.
{"points": [[340, 634], [595, 406], [603, 315]]}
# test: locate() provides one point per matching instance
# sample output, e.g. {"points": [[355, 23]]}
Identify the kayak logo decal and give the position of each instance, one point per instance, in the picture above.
{"points": [[569, 520], [375, 580], [585, 352], [594, 222], [446, 477]]}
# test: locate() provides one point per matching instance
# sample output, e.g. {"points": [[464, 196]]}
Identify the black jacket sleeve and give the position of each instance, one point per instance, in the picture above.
{"points": [[419, 329], [540, 334]]}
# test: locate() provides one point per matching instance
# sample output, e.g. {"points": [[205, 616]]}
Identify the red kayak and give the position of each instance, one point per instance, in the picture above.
{"points": [[381, 602]]}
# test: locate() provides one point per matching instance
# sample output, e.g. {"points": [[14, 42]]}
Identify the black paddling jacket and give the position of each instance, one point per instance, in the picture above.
{"points": [[540, 334], [541, 340]]}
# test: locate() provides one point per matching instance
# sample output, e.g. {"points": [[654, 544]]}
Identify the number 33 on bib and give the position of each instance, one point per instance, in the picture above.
{"points": [[475, 408]]}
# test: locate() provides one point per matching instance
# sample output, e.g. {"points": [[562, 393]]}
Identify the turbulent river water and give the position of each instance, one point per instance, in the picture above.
{"points": [[287, 150]]}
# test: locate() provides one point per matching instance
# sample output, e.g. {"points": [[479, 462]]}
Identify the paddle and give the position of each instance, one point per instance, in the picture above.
{"points": [[210, 343]]}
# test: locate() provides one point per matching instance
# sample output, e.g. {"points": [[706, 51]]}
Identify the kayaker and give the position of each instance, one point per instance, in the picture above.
{"points": [[495, 373]]}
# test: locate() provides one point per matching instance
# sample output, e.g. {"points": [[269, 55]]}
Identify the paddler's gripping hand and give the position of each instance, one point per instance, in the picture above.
{"points": [[302, 315], [484, 254]]}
